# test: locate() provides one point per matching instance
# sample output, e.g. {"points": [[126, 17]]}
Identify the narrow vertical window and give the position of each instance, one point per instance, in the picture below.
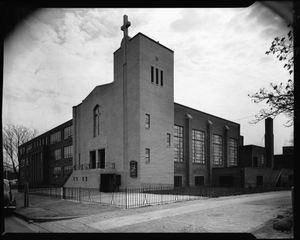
{"points": [[217, 150], [147, 155], [96, 120], [152, 74], [161, 78], [178, 144], [168, 139], [147, 121], [157, 76], [198, 150], [232, 152]]}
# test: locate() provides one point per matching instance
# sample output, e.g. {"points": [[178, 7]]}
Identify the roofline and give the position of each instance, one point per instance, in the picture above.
{"points": [[207, 113], [71, 120], [106, 84], [139, 33], [252, 145]]}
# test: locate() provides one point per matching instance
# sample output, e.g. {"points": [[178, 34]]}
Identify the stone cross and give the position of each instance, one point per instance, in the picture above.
{"points": [[126, 25]]}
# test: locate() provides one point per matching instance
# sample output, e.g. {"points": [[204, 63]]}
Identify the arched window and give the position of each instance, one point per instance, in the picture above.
{"points": [[96, 120]]}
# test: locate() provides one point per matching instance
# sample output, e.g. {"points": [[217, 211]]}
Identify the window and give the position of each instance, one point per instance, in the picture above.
{"points": [[68, 132], [168, 139], [68, 152], [157, 76], [22, 150], [199, 181], [262, 159], [259, 180], [161, 78], [178, 144], [57, 171], [147, 121], [217, 150], [29, 147], [232, 152], [198, 149], [152, 74], [56, 154], [96, 120], [147, 155], [55, 137], [67, 170], [177, 181]]}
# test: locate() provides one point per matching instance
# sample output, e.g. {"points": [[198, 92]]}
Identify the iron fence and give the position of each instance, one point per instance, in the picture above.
{"points": [[146, 195]]}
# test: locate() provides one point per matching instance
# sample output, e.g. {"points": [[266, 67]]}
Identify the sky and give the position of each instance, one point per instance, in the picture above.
{"points": [[55, 57]]}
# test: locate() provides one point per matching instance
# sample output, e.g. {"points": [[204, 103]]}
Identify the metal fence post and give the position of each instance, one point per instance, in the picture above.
{"points": [[64, 192], [292, 191], [79, 194], [125, 198]]}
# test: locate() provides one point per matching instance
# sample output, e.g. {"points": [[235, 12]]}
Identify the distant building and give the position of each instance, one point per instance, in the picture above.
{"points": [[258, 166], [47, 159]]}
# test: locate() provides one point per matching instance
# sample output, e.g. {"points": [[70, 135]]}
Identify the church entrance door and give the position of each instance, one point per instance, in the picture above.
{"points": [[107, 182]]}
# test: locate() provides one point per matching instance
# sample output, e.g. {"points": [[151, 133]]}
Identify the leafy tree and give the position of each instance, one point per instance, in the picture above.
{"points": [[281, 97], [12, 137]]}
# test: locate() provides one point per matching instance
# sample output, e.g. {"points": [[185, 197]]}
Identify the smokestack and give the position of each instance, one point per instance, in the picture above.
{"points": [[269, 142], [241, 140]]}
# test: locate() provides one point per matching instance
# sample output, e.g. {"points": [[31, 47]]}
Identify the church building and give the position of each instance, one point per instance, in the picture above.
{"points": [[130, 132]]}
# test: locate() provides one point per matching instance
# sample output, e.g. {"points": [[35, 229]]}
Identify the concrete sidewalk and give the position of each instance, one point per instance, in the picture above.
{"points": [[243, 213], [43, 209]]}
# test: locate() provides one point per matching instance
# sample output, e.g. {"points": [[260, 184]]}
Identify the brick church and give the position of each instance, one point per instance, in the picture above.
{"points": [[129, 133]]}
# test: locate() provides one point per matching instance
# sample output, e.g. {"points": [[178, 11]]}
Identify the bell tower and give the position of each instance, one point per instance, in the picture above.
{"points": [[144, 98]]}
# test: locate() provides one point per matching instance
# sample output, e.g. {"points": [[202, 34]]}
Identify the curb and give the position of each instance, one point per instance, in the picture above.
{"points": [[42, 219]]}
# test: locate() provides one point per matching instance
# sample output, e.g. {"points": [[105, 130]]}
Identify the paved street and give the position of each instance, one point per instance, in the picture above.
{"points": [[244, 213]]}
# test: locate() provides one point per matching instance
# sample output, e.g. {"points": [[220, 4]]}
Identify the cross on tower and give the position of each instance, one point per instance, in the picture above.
{"points": [[126, 25]]}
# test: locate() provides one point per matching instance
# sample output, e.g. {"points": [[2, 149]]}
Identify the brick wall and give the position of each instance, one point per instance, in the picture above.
{"points": [[191, 119]]}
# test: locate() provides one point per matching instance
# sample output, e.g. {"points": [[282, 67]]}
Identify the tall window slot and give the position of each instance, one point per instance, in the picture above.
{"points": [[198, 146], [152, 74], [161, 78], [147, 121], [217, 150], [232, 152], [178, 144], [96, 120], [147, 155], [168, 139], [157, 77]]}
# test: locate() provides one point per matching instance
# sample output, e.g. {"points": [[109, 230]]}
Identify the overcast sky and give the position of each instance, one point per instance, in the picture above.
{"points": [[55, 58]]}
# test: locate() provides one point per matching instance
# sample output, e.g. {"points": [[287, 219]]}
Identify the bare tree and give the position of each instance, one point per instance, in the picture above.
{"points": [[281, 97], [14, 136]]}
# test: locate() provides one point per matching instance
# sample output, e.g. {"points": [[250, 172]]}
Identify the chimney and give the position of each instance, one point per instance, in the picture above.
{"points": [[269, 142], [241, 140]]}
